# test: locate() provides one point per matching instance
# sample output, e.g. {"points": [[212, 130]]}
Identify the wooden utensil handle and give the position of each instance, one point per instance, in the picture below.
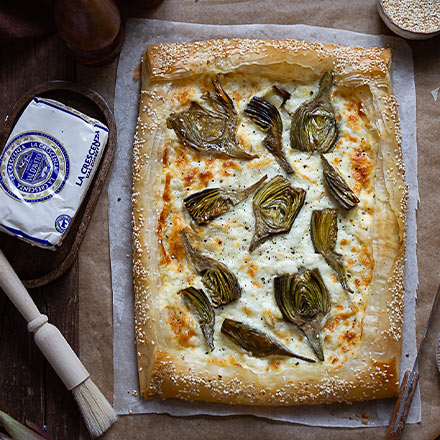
{"points": [[60, 355], [390, 435], [48, 338]]}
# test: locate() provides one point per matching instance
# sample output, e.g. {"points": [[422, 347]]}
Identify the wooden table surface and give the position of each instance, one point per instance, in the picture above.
{"points": [[29, 389]]}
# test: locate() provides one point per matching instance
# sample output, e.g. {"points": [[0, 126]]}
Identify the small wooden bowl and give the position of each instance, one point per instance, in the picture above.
{"points": [[36, 266], [405, 33]]}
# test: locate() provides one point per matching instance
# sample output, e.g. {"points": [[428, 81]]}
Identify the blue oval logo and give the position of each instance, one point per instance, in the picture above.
{"points": [[62, 223], [33, 167]]}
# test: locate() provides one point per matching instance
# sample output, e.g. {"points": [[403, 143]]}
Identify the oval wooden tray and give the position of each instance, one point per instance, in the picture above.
{"points": [[36, 266]]}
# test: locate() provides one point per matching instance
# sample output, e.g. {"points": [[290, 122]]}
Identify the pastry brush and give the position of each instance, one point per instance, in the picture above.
{"points": [[97, 412]]}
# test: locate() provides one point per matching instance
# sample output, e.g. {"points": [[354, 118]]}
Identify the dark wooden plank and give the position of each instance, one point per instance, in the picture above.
{"points": [[21, 366], [60, 300], [28, 63], [29, 388]]}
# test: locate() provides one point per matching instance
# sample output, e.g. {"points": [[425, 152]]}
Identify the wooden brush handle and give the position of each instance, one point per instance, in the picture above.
{"points": [[48, 338], [390, 435]]}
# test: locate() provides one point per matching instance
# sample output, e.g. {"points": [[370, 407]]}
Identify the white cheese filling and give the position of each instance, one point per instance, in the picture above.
{"points": [[228, 237]]}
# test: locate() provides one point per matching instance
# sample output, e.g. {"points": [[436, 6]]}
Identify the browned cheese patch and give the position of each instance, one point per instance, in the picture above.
{"points": [[361, 167], [180, 325]]}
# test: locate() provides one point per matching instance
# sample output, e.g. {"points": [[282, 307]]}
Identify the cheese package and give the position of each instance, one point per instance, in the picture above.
{"points": [[46, 167]]}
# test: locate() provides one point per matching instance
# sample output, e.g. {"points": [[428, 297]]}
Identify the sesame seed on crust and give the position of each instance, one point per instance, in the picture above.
{"points": [[171, 61]]}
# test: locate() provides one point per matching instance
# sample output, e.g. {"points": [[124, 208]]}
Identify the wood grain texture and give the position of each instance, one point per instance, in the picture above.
{"points": [[30, 389], [397, 434]]}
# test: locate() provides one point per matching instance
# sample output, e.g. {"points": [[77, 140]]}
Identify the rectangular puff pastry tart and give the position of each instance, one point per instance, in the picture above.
{"points": [[269, 223]]}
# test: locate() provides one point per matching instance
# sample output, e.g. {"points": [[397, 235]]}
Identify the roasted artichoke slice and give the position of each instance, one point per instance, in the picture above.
{"points": [[206, 205], [338, 187], [314, 126], [268, 118], [205, 312], [221, 282], [276, 205], [210, 131], [255, 341], [303, 300], [324, 231]]}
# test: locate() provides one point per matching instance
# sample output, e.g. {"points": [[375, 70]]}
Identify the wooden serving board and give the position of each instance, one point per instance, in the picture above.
{"points": [[36, 266]]}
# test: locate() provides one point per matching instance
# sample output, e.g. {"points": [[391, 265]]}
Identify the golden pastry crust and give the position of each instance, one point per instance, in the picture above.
{"points": [[374, 373]]}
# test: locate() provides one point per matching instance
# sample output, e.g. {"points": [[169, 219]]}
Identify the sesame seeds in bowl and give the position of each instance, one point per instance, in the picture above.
{"points": [[412, 19]]}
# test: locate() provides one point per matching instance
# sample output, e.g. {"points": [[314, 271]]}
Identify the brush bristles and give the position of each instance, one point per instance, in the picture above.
{"points": [[97, 412]]}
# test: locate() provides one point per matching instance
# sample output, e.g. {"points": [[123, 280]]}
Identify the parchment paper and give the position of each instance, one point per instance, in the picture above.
{"points": [[138, 34]]}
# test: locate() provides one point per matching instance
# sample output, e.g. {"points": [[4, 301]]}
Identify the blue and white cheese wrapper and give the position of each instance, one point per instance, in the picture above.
{"points": [[46, 168]]}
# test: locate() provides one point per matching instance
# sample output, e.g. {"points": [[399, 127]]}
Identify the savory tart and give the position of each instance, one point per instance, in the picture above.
{"points": [[269, 223]]}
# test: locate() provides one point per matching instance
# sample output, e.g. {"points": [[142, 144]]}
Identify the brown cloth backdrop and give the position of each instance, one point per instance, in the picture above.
{"points": [[21, 19], [96, 333]]}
